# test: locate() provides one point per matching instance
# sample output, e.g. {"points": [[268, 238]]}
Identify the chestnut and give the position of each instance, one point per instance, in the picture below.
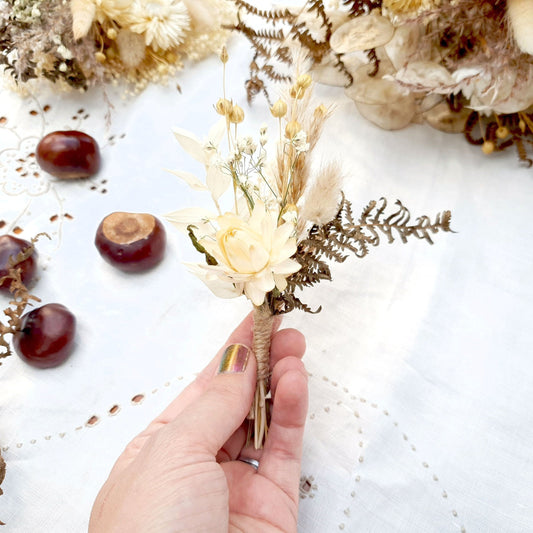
{"points": [[68, 154], [132, 242], [45, 337], [10, 247]]}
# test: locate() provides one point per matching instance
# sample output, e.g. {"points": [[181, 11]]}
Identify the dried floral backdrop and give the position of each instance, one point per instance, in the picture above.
{"points": [[81, 43], [457, 65]]}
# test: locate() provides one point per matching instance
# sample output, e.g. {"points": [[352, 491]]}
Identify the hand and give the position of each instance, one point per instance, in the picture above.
{"points": [[182, 472]]}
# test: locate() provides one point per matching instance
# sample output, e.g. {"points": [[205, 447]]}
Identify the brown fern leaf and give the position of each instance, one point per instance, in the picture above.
{"points": [[272, 15]]}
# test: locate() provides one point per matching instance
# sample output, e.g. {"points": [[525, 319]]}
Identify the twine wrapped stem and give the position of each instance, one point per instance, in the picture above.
{"points": [[263, 319]]}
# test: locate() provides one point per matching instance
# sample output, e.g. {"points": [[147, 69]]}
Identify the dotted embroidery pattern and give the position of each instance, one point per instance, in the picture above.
{"points": [[308, 486], [93, 420], [355, 404]]}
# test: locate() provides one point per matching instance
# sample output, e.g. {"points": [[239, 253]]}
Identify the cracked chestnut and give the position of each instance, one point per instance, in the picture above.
{"points": [[132, 242], [69, 154]]}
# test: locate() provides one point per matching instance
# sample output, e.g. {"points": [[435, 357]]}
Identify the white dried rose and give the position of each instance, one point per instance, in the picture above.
{"points": [[253, 255]]}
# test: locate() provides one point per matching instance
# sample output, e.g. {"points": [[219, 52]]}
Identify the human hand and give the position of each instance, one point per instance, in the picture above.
{"points": [[182, 472]]}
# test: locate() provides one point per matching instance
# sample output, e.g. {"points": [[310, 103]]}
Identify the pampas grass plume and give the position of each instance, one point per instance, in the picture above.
{"points": [[321, 201]]}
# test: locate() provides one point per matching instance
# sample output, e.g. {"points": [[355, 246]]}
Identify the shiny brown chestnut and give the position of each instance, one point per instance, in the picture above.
{"points": [[46, 335], [69, 154], [132, 242], [10, 248]]}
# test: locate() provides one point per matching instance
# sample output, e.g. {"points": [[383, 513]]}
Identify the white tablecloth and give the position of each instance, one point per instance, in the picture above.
{"points": [[421, 361]]}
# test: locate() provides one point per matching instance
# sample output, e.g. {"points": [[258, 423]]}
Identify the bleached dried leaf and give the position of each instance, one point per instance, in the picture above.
{"points": [[182, 218], [362, 33], [217, 181], [190, 179], [190, 143]]}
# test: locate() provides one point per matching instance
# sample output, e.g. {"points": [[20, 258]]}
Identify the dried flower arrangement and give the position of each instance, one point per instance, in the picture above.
{"points": [[81, 43], [457, 65], [282, 220]]}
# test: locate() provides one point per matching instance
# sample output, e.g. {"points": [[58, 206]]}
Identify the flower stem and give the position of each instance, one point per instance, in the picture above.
{"points": [[263, 319]]}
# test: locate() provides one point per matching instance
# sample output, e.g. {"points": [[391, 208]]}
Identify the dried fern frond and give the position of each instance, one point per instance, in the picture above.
{"points": [[344, 236], [21, 297], [281, 30]]}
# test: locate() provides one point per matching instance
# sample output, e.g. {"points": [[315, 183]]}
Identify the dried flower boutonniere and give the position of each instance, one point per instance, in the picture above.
{"points": [[282, 221], [81, 43], [460, 66]]}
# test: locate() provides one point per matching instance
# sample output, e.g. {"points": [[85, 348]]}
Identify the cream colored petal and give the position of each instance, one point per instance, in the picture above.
{"points": [[258, 214], [265, 282], [287, 267], [282, 234], [190, 143], [281, 282], [259, 257], [256, 295]]}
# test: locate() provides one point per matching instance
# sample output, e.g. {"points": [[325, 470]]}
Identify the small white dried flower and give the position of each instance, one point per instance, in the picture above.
{"points": [[246, 145], [299, 141], [64, 52], [162, 22]]}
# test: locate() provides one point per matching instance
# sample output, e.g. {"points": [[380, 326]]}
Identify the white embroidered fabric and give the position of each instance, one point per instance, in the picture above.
{"points": [[421, 361]]}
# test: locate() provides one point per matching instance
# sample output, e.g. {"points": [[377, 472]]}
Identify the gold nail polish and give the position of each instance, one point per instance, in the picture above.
{"points": [[234, 359]]}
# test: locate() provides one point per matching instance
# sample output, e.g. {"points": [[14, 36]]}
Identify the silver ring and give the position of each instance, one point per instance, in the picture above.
{"points": [[251, 462]]}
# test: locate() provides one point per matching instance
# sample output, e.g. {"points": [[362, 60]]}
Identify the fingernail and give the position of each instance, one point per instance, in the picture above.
{"points": [[234, 359]]}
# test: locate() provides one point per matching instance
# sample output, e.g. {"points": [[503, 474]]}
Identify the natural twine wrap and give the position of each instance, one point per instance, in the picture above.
{"points": [[263, 319]]}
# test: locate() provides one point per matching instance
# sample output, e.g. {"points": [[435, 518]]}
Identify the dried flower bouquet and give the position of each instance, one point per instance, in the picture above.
{"points": [[284, 220], [81, 43], [457, 65]]}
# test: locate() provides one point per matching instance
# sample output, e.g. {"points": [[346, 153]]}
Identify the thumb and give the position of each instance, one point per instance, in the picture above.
{"points": [[208, 422]]}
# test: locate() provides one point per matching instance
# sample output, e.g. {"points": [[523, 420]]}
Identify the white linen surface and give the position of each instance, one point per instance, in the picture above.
{"points": [[421, 360]]}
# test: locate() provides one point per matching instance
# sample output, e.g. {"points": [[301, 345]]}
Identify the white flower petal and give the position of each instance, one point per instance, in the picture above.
{"points": [[265, 282], [256, 295], [281, 282], [287, 267]]}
